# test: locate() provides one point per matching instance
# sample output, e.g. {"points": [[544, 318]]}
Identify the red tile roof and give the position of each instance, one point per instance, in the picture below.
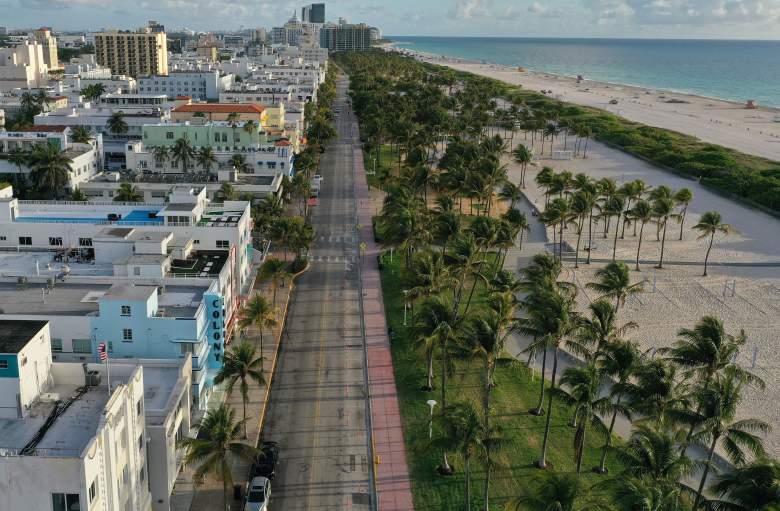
{"points": [[43, 129], [183, 97], [221, 108], [282, 143]]}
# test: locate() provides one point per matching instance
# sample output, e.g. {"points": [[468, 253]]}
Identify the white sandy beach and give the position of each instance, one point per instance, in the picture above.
{"points": [[725, 123]]}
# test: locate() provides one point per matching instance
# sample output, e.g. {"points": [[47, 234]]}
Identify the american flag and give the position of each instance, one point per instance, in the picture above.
{"points": [[103, 353]]}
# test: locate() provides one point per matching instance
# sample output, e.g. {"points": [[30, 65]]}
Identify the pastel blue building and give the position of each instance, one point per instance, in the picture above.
{"points": [[164, 323]]}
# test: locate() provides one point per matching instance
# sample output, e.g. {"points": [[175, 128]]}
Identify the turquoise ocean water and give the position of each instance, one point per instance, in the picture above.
{"points": [[731, 70]]}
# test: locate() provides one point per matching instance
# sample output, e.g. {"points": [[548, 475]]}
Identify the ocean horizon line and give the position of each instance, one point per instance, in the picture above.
{"points": [[587, 38]]}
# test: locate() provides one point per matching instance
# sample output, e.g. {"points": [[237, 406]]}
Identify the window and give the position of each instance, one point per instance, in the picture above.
{"points": [[125, 310], [85, 242], [169, 135], [142, 475], [110, 346], [3, 364], [138, 407], [196, 242], [223, 244], [25, 240], [55, 242], [56, 345], [127, 334], [82, 346], [92, 491], [187, 347], [65, 502], [2, 238], [141, 442], [136, 270]]}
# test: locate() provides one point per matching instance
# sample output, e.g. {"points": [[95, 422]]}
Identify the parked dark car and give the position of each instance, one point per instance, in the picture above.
{"points": [[265, 462]]}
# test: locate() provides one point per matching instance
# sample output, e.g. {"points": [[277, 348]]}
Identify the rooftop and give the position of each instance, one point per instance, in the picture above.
{"points": [[221, 108], [15, 334], [43, 129], [129, 292]]}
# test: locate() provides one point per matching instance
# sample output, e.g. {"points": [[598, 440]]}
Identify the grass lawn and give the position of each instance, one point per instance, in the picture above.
{"points": [[513, 396], [388, 159]]}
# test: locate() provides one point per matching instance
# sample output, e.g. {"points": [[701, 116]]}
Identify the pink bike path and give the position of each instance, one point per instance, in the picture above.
{"points": [[394, 491]]}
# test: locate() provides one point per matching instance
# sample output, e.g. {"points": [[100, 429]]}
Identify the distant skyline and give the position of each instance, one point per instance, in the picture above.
{"points": [[723, 19]]}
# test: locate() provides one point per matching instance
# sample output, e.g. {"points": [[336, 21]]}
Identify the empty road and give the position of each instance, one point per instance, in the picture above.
{"points": [[317, 409]]}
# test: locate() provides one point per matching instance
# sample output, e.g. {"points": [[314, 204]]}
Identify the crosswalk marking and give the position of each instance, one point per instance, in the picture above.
{"points": [[333, 259]]}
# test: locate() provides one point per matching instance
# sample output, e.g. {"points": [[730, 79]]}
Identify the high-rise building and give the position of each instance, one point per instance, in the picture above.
{"points": [[23, 66], [156, 27], [346, 37], [313, 13], [44, 38], [136, 54]]}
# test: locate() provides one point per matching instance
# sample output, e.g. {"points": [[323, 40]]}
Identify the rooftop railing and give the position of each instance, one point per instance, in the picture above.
{"points": [[87, 203]]}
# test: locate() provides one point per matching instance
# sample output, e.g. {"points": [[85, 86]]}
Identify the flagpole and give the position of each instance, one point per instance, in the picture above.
{"points": [[108, 375]]}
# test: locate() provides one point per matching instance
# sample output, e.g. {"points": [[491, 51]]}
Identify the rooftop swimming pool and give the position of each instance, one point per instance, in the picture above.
{"points": [[135, 217]]}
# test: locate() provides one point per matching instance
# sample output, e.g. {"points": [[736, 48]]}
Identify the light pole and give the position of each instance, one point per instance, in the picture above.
{"points": [[405, 292], [432, 403]]}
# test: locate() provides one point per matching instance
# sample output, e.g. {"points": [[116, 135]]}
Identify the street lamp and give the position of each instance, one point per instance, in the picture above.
{"points": [[432, 403]]}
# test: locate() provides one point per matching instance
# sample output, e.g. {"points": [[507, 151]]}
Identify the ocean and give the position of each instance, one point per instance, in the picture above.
{"points": [[730, 70]]}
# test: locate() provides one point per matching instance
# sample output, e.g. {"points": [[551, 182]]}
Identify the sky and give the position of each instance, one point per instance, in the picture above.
{"points": [[726, 19]]}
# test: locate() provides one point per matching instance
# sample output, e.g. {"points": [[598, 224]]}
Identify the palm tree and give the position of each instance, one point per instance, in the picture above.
{"points": [[260, 313], [653, 453], [437, 321], [81, 135], [620, 361], [584, 395], [683, 197], [556, 491], [710, 224], [161, 154], [18, 156], [492, 442], [663, 210], [615, 283], [522, 156], [581, 206], [276, 271], [644, 494], [751, 487], [182, 152], [462, 432], [510, 192], [206, 158], [50, 169], [116, 124], [226, 192], [216, 446], [241, 365], [238, 161], [641, 213], [128, 192], [250, 127], [719, 425]]}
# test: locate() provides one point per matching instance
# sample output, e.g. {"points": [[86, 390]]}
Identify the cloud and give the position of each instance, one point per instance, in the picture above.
{"points": [[545, 12], [686, 12], [469, 9]]}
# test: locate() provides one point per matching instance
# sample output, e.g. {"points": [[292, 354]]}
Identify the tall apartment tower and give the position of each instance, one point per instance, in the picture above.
{"points": [[313, 13], [44, 38], [139, 53]]}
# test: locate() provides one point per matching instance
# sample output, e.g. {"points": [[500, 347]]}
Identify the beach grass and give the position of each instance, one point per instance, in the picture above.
{"points": [[515, 393]]}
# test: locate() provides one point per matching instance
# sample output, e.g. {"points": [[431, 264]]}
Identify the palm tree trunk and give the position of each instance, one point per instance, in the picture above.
{"points": [[682, 221], [541, 386], [467, 460], [225, 493], [614, 244], [542, 463], [663, 243], [444, 377], [581, 446], [590, 236], [639, 245], [430, 370], [555, 238], [602, 464], [707, 257], [579, 237], [560, 240], [244, 399], [486, 403], [261, 342], [471, 294], [487, 484], [705, 474]]}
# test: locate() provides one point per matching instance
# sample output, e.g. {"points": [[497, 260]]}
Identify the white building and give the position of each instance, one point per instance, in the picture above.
{"points": [[200, 85], [147, 110], [87, 158], [23, 66], [104, 450], [68, 441]]}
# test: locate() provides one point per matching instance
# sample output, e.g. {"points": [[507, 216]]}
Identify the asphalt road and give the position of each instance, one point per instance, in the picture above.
{"points": [[317, 407]]}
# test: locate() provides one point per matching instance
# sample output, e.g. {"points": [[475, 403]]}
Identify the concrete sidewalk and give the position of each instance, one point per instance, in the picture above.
{"points": [[208, 496], [393, 484]]}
